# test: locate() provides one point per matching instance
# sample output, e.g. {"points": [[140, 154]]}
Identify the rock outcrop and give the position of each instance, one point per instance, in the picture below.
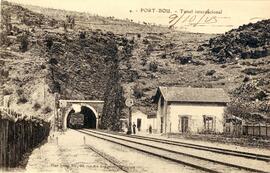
{"points": [[249, 41]]}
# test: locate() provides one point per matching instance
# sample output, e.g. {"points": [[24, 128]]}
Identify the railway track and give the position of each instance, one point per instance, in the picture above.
{"points": [[248, 155], [168, 152], [113, 161]]}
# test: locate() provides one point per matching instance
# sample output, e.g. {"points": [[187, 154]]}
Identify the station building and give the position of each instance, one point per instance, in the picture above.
{"points": [[190, 110]]}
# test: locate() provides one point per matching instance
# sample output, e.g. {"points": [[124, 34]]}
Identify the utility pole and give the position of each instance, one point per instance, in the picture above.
{"points": [[129, 103]]}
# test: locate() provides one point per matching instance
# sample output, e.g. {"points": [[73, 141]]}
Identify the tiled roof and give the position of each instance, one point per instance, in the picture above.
{"points": [[188, 94]]}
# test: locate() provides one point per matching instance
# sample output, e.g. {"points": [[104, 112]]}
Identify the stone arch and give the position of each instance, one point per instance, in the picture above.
{"points": [[71, 108]]}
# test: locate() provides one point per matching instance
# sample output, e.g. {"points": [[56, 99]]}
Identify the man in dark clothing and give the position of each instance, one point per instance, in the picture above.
{"points": [[134, 128]]}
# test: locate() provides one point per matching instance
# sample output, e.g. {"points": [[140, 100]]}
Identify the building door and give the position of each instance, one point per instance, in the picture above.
{"points": [[184, 124], [139, 123]]}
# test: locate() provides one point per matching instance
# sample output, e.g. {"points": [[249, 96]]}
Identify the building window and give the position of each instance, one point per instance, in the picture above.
{"points": [[183, 124], [209, 123]]}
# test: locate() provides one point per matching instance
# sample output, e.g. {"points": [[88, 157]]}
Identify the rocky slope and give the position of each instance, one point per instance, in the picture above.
{"points": [[249, 41], [41, 58], [81, 56]]}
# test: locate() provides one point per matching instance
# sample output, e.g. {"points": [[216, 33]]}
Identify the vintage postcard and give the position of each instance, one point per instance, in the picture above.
{"points": [[138, 86]]}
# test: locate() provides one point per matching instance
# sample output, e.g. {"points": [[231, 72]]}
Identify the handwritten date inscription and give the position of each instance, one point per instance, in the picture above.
{"points": [[192, 19]]}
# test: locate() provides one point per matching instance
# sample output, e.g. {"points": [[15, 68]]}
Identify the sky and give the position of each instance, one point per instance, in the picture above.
{"points": [[230, 13]]}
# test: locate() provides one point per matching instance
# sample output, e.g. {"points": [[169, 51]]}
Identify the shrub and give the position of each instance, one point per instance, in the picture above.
{"points": [[52, 23], [129, 66], [49, 42], [138, 92], [43, 66], [47, 110], [22, 99], [53, 61], [164, 56], [24, 42], [246, 79], [56, 87], [185, 60], [7, 91], [65, 26], [210, 72], [223, 66], [153, 66], [36, 106], [20, 92], [82, 35], [260, 95], [240, 108], [144, 61], [4, 73], [149, 49], [145, 41]]}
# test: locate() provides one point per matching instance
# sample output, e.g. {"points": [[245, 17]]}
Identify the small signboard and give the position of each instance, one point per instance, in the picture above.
{"points": [[129, 102]]}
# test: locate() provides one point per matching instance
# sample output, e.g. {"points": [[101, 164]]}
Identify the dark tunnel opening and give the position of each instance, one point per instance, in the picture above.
{"points": [[89, 117], [84, 119]]}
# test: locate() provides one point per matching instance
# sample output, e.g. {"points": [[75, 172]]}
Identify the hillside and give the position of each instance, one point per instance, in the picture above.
{"points": [[52, 58], [81, 56], [249, 41]]}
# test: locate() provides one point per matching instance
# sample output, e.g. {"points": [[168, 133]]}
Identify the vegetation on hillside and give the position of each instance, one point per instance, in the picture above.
{"points": [[81, 56]]}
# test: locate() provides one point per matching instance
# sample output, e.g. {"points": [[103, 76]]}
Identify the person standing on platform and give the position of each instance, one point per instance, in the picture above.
{"points": [[134, 128], [150, 129]]}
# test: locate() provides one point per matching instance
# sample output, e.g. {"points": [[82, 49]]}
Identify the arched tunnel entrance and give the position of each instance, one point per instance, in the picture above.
{"points": [[86, 118]]}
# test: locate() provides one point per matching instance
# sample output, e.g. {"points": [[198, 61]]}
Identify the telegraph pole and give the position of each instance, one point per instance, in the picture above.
{"points": [[129, 103]]}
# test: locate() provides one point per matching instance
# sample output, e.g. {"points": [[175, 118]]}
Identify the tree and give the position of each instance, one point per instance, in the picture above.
{"points": [[24, 41], [72, 23], [138, 92], [113, 102], [65, 26], [70, 20]]}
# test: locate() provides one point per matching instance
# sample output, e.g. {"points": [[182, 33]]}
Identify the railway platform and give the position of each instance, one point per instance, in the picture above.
{"points": [[76, 152]]}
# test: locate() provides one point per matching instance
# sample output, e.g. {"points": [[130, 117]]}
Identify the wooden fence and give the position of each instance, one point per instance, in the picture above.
{"points": [[262, 130], [19, 135]]}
